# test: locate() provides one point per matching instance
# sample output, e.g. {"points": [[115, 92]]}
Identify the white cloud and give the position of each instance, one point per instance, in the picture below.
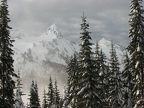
{"points": [[104, 16]]}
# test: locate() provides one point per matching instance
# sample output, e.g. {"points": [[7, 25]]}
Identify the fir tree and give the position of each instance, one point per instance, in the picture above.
{"points": [[97, 59], [50, 94], [115, 93], [44, 103], [37, 100], [72, 70], [103, 73], [127, 84], [18, 101], [101, 69], [57, 100], [136, 50], [34, 98], [7, 83], [88, 92], [97, 55]]}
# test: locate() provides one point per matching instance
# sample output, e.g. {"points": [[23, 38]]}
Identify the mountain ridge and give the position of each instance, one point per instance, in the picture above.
{"points": [[47, 49], [37, 58]]}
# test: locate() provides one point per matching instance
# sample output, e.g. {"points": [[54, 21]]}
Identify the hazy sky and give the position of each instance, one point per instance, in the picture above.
{"points": [[107, 18]]}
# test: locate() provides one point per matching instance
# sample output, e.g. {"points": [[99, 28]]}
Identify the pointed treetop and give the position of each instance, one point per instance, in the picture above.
{"points": [[83, 16]]}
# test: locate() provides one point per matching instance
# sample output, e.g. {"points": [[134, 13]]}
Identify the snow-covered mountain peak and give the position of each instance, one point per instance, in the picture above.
{"points": [[104, 41], [44, 53], [48, 53], [51, 33], [53, 29]]}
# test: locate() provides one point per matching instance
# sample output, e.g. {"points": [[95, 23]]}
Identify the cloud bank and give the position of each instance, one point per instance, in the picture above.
{"points": [[107, 18]]}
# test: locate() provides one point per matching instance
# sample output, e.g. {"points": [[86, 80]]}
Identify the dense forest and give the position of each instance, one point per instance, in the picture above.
{"points": [[93, 81]]}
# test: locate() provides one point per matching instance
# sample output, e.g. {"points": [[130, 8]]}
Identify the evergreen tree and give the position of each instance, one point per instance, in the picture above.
{"points": [[127, 84], [136, 50], [97, 56], [37, 100], [102, 60], [34, 98], [88, 92], [65, 98], [115, 93], [103, 73], [50, 94], [72, 70], [18, 101], [7, 84], [97, 60], [101, 69], [44, 103], [57, 100]]}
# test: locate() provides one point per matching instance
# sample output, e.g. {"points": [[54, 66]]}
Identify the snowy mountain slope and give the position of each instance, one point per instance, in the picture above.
{"points": [[39, 57], [34, 55], [48, 52], [105, 45]]}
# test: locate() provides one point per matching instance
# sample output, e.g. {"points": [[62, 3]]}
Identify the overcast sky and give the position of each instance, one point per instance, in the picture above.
{"points": [[107, 18]]}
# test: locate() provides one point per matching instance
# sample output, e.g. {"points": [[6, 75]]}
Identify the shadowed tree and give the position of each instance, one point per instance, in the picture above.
{"points": [[57, 99], [50, 94], [72, 71], [127, 84], [34, 98], [44, 103], [88, 93], [114, 80], [136, 51], [7, 84]]}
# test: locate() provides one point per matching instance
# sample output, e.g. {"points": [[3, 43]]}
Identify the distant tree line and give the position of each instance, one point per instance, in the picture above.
{"points": [[93, 81]]}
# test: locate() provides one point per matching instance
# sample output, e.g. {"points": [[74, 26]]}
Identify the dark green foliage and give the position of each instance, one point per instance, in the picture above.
{"points": [[52, 98], [7, 84], [44, 103], [97, 59], [101, 68], [50, 94], [32, 95], [136, 50], [88, 93], [127, 84], [114, 78], [34, 98], [103, 74], [73, 73], [57, 100], [37, 100], [97, 54]]}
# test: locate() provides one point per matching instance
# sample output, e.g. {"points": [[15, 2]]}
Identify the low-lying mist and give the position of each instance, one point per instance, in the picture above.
{"points": [[42, 82]]}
